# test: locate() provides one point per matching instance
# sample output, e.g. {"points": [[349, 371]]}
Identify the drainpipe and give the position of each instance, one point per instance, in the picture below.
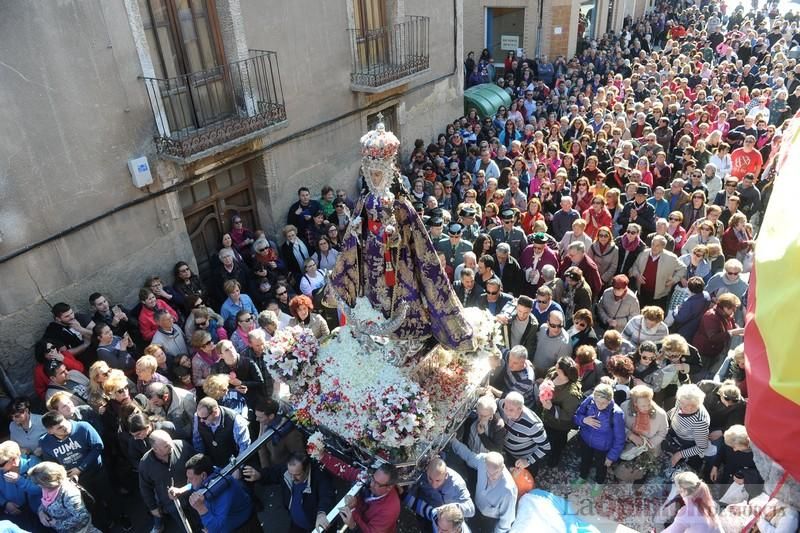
{"points": [[539, 29]]}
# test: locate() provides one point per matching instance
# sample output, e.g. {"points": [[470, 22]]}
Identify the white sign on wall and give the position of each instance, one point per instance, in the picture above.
{"points": [[557, 30], [509, 42]]}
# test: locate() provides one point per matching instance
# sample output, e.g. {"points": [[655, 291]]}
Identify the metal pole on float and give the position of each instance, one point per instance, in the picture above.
{"points": [[229, 469]]}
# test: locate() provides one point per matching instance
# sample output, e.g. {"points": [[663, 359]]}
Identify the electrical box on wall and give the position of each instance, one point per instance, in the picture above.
{"points": [[140, 172]]}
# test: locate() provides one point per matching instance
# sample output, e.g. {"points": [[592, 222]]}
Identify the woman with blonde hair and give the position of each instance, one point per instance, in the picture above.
{"points": [[699, 513], [649, 326], [98, 374], [217, 386], [62, 507], [646, 425]]}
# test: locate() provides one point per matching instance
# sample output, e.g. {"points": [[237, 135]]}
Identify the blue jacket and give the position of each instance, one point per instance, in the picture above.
{"points": [[610, 436], [229, 506], [687, 316], [24, 492], [81, 449]]}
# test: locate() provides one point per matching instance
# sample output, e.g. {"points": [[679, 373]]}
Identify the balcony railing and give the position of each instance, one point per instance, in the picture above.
{"points": [[202, 110], [387, 56]]}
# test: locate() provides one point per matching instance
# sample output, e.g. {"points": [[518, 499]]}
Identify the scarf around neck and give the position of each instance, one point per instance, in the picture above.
{"points": [[631, 245]]}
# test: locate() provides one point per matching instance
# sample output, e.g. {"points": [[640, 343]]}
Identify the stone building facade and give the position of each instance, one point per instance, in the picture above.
{"points": [[87, 86]]}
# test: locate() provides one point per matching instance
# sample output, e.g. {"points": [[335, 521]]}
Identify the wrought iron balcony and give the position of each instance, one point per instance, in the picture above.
{"points": [[388, 56], [202, 110]]}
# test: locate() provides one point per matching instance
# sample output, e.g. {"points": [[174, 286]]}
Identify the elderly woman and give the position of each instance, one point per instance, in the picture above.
{"points": [[704, 235], [62, 507], [204, 358], [147, 373], [732, 368], [676, 230], [301, 308], [581, 333], [699, 512], [735, 459], [630, 245], [737, 241], [590, 369], [217, 386], [618, 304], [578, 234], [645, 425], [559, 408], [605, 254], [20, 494], [687, 439], [602, 434], [649, 326]]}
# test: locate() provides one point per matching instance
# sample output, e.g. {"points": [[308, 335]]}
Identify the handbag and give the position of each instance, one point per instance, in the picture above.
{"points": [[632, 451]]}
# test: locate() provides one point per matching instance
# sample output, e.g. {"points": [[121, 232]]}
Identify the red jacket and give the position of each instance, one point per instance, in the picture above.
{"points": [[376, 516], [731, 245], [712, 336], [594, 221], [147, 324]]}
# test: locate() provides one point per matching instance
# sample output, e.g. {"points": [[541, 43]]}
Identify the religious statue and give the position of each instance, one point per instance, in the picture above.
{"points": [[388, 257]]}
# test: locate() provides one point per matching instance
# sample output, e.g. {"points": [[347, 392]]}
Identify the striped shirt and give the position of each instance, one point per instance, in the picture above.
{"points": [[526, 438], [694, 428]]}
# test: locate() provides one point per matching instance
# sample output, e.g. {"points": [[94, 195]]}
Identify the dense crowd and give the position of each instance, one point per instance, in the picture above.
{"points": [[607, 218]]}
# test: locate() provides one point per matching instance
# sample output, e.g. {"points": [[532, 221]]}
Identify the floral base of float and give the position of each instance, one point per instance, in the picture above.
{"points": [[391, 399]]}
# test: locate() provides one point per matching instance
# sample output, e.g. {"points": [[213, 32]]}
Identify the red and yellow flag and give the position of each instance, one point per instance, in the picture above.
{"points": [[772, 330]]}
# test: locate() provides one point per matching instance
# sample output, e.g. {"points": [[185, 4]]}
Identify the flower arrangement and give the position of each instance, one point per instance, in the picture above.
{"points": [[401, 415], [315, 446], [546, 390], [292, 357], [485, 329]]}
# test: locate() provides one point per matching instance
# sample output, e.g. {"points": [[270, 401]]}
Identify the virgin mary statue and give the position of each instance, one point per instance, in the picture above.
{"points": [[388, 257]]}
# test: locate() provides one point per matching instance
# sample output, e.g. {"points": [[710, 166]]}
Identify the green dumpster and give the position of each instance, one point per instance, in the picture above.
{"points": [[486, 99]]}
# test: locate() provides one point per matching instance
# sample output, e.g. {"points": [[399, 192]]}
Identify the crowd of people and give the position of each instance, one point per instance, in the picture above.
{"points": [[607, 219]]}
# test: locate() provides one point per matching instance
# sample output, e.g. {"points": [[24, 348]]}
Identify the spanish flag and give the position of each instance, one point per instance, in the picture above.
{"points": [[772, 324]]}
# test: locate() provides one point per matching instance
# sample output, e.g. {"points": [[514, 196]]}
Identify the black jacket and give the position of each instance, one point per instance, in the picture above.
{"points": [[317, 496], [529, 336], [493, 439], [512, 276], [474, 298], [156, 477], [503, 299], [248, 373]]}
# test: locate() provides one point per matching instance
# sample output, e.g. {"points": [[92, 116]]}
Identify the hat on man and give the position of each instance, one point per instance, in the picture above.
{"points": [[467, 212], [435, 221], [623, 164], [507, 214], [455, 229], [642, 189], [539, 238], [419, 206]]}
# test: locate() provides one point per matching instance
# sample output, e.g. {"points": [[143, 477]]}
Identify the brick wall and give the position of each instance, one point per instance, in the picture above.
{"points": [[555, 13]]}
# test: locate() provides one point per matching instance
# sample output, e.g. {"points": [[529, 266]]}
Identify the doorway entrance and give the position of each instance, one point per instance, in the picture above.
{"points": [[207, 210]]}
